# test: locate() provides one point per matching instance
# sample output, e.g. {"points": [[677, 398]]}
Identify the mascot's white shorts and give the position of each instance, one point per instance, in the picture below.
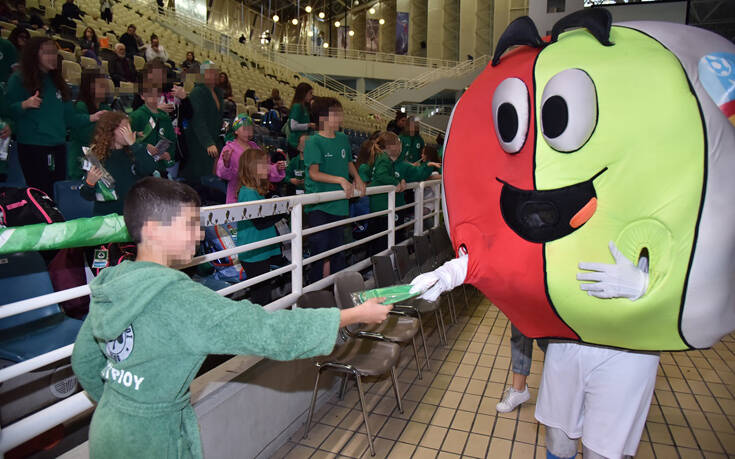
{"points": [[599, 394]]}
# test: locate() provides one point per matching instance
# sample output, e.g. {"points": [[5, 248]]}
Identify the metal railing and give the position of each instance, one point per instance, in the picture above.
{"points": [[424, 79], [428, 110], [311, 49], [41, 421]]}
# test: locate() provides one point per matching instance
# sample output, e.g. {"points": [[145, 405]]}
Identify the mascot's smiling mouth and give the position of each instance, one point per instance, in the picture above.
{"points": [[544, 216]]}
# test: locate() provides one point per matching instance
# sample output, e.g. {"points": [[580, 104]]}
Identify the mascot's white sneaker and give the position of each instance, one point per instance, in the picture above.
{"points": [[512, 399]]}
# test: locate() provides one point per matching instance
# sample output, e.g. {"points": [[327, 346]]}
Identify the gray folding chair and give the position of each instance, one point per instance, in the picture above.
{"points": [[441, 245], [353, 356], [399, 327], [427, 262]]}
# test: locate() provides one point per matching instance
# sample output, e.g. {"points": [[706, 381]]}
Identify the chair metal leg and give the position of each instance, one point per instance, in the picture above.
{"points": [[452, 311], [343, 387], [364, 413], [466, 301], [313, 403], [395, 389], [441, 325], [423, 341], [416, 356]]}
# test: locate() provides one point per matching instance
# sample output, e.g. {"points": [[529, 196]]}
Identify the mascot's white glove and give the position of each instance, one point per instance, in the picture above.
{"points": [[444, 278], [621, 280]]}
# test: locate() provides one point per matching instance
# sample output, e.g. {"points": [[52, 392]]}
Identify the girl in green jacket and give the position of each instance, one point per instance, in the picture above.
{"points": [[202, 136], [92, 97], [39, 101], [299, 119], [411, 142], [121, 163]]}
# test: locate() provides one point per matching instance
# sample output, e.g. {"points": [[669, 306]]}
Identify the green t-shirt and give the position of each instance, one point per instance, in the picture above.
{"points": [[411, 148], [365, 172], [333, 157], [301, 116], [8, 57], [154, 126], [296, 169], [248, 233]]}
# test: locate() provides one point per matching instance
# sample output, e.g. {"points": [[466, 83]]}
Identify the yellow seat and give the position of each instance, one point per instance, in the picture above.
{"points": [[138, 62], [72, 72], [87, 63]]}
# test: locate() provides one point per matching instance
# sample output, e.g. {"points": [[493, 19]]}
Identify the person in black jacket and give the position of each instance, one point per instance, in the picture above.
{"points": [[71, 11], [121, 66], [396, 125], [130, 41]]}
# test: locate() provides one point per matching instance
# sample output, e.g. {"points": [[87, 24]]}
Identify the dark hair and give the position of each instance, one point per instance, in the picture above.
{"points": [[94, 35], [432, 154], [16, 33], [440, 139], [226, 86], [31, 71], [300, 93], [155, 199], [133, 26], [154, 37], [321, 106], [400, 114], [86, 88]]}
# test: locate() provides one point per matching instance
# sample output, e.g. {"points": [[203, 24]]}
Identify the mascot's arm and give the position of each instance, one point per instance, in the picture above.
{"points": [[444, 278], [620, 280]]}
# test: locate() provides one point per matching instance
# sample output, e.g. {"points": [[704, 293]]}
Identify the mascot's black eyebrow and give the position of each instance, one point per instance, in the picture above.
{"points": [[523, 31]]}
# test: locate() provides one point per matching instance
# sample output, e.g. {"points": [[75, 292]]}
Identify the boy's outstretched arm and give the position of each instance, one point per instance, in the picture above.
{"points": [[87, 361], [211, 324]]}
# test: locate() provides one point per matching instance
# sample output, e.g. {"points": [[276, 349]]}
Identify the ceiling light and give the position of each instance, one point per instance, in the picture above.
{"points": [[371, 11], [351, 33], [310, 34], [381, 21], [325, 45], [321, 15], [357, 2], [295, 21], [337, 24], [307, 9], [275, 18], [403, 109]]}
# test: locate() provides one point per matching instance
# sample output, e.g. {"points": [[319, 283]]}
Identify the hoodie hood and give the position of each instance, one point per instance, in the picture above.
{"points": [[120, 293]]}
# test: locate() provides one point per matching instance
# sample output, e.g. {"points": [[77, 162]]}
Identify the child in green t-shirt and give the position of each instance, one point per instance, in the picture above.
{"points": [[329, 166], [296, 169], [299, 121], [150, 328], [411, 142]]}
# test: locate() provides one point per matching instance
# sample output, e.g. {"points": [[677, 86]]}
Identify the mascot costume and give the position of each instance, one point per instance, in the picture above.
{"points": [[604, 156]]}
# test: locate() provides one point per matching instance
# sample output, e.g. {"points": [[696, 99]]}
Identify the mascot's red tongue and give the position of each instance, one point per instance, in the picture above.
{"points": [[506, 268]]}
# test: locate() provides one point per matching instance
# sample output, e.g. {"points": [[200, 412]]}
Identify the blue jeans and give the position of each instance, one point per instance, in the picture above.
{"points": [[323, 241], [521, 351]]}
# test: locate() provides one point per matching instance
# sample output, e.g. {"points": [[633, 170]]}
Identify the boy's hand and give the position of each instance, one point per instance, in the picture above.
{"points": [[373, 312], [5, 133], [212, 151], [165, 157], [152, 150], [401, 186], [348, 187]]}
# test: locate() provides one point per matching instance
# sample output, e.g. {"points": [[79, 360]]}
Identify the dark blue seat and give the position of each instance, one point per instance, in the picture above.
{"points": [[70, 201], [215, 182], [36, 332], [15, 173]]}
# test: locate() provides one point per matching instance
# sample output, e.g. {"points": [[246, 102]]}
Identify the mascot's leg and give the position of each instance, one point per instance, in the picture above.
{"points": [[521, 353], [560, 446]]}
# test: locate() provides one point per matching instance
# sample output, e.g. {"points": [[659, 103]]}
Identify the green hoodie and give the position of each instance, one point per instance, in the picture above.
{"points": [[136, 354], [387, 172]]}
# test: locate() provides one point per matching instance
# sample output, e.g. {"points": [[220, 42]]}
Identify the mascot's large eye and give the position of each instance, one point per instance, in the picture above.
{"points": [[510, 114], [568, 110]]}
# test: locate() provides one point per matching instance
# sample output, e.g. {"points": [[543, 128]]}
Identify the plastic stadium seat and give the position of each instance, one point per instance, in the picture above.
{"points": [[72, 72], [87, 63], [67, 56], [15, 173], [138, 62], [27, 335], [70, 202]]}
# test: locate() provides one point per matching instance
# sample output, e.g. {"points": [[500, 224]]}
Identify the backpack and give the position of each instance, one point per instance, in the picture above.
{"points": [[272, 121], [27, 206], [217, 238]]}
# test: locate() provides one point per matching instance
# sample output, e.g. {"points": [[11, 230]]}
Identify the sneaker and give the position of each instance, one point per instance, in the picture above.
{"points": [[512, 399]]}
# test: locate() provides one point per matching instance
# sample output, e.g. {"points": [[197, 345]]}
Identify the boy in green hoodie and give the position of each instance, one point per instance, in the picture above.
{"points": [[150, 328]]}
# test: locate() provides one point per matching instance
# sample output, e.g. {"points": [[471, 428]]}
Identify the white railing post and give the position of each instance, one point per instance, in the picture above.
{"points": [[297, 249], [418, 210], [391, 219], [437, 188]]}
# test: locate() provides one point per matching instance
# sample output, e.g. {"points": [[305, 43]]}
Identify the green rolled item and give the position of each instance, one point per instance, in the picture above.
{"points": [[393, 294], [80, 232]]}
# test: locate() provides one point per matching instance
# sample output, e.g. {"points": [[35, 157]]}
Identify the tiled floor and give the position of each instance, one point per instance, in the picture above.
{"points": [[451, 412]]}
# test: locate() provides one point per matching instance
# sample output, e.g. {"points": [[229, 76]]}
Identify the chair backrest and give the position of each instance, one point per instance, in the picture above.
{"points": [[424, 257], [383, 271], [22, 276], [405, 264], [317, 299], [87, 63], [440, 243], [70, 201], [345, 284]]}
